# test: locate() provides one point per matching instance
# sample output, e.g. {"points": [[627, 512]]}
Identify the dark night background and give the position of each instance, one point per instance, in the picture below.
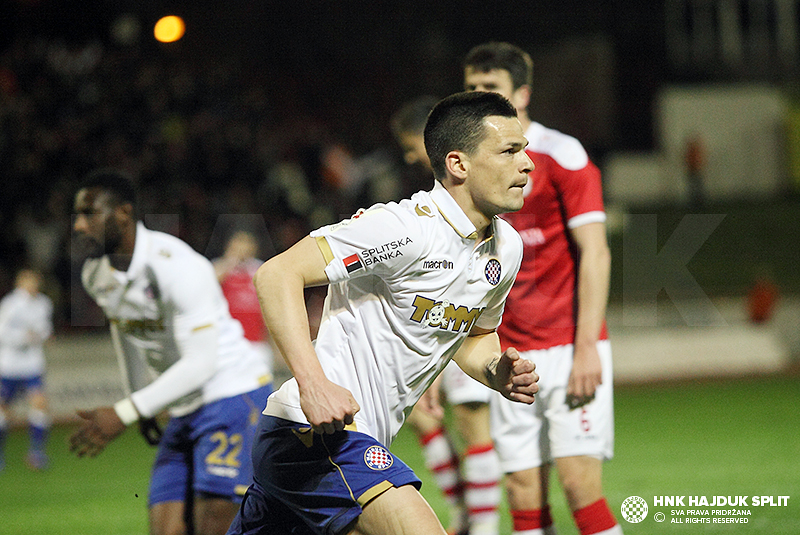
{"points": [[378, 53], [281, 108]]}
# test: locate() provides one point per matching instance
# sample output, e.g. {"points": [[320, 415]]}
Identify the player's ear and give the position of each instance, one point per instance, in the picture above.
{"points": [[521, 97], [124, 211], [457, 165]]}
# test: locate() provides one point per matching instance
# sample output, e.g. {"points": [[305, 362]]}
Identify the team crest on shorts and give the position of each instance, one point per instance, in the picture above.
{"points": [[492, 271], [378, 458]]}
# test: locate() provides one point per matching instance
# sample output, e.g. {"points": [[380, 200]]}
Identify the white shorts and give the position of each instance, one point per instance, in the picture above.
{"points": [[460, 388], [527, 436]]}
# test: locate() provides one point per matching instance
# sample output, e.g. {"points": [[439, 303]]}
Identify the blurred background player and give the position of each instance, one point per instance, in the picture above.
{"points": [[235, 270], [179, 349], [471, 484], [555, 315], [26, 321]]}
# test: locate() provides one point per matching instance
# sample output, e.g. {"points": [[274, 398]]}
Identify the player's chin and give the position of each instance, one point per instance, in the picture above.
{"points": [[88, 248], [515, 199]]}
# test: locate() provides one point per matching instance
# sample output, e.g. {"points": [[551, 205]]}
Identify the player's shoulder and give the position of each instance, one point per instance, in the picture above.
{"points": [[564, 149], [163, 247], [171, 259], [44, 300], [507, 236], [384, 219]]}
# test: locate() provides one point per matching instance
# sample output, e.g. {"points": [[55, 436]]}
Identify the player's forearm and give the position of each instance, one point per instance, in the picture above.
{"points": [[593, 282], [478, 356], [281, 295], [190, 373]]}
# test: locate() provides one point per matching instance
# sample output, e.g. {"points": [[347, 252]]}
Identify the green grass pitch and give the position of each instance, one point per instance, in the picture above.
{"points": [[728, 438]]}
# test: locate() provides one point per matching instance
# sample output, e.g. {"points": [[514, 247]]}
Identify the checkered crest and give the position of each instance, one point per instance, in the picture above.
{"points": [[378, 458], [634, 509], [492, 271]]}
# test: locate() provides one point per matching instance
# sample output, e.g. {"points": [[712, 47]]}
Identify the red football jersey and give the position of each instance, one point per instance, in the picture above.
{"points": [[243, 301], [564, 191]]}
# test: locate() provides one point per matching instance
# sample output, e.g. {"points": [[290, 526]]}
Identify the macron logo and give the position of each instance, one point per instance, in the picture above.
{"points": [[437, 264]]}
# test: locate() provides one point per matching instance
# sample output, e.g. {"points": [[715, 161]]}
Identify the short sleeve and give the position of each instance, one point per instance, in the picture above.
{"points": [[380, 241], [582, 194]]}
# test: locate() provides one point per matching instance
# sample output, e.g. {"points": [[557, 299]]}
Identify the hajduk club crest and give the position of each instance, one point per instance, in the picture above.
{"points": [[378, 458]]}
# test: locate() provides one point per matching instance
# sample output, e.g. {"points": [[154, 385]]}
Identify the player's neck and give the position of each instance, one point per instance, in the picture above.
{"points": [[121, 258]]}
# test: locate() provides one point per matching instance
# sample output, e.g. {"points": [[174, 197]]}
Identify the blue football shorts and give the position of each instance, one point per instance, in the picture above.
{"points": [[11, 387], [307, 484], [208, 451]]}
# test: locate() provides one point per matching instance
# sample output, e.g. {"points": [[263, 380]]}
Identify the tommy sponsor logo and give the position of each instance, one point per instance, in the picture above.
{"points": [[378, 458], [352, 263], [437, 264], [387, 251], [444, 315]]}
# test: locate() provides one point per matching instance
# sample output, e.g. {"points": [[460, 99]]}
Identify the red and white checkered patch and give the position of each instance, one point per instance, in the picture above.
{"points": [[492, 271], [378, 458]]}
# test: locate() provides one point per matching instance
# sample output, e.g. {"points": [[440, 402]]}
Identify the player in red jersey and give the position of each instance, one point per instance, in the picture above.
{"points": [[555, 315], [235, 270]]}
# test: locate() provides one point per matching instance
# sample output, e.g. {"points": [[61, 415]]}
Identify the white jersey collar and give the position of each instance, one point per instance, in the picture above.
{"points": [[452, 212]]}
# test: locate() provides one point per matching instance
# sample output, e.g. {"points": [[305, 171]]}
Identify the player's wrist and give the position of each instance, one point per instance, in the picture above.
{"points": [[126, 411], [490, 372]]}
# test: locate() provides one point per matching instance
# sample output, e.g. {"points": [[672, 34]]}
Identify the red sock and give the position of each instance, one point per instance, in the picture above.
{"points": [[594, 518], [532, 519]]}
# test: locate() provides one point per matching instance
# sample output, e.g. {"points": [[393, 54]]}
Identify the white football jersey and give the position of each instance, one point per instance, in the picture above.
{"points": [[168, 294], [26, 321], [407, 284]]}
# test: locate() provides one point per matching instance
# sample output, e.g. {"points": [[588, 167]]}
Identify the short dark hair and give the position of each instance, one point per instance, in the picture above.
{"points": [[457, 123], [504, 56], [412, 116], [118, 184]]}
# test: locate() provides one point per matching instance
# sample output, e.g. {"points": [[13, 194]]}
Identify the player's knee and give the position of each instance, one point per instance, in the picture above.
{"points": [[214, 516], [38, 401], [581, 489], [167, 519]]}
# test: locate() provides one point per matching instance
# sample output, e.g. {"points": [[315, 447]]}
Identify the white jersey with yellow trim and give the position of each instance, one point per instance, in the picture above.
{"points": [[179, 347], [407, 283]]}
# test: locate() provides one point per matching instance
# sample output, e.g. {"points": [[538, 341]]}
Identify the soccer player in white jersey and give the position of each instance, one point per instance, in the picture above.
{"points": [[411, 285], [26, 321], [555, 315], [179, 350], [470, 482]]}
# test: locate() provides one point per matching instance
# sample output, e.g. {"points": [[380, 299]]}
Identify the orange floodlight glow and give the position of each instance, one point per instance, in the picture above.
{"points": [[169, 29]]}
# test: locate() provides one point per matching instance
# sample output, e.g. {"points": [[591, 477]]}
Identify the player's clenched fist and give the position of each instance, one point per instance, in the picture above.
{"points": [[513, 376], [328, 407]]}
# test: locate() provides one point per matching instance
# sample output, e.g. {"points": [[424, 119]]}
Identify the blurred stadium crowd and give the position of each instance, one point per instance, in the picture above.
{"points": [[208, 145]]}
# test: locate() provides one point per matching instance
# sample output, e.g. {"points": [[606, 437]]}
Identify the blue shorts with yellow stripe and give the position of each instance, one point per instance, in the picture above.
{"points": [[306, 483], [208, 451]]}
